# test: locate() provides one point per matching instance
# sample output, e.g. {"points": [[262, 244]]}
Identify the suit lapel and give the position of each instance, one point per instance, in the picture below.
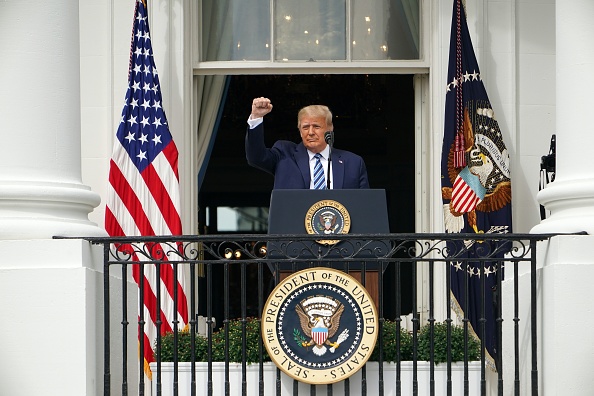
{"points": [[302, 160]]}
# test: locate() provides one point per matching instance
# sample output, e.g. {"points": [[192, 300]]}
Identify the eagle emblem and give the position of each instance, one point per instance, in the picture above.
{"points": [[319, 317], [328, 221], [483, 182], [319, 325], [327, 217]]}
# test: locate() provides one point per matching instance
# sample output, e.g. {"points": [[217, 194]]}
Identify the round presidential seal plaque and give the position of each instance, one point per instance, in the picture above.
{"points": [[327, 218], [319, 325]]}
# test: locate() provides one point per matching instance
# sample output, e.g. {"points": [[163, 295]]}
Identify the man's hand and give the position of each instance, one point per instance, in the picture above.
{"points": [[260, 107]]}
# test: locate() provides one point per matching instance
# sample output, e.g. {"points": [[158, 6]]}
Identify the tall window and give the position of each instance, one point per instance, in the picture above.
{"points": [[310, 30]]}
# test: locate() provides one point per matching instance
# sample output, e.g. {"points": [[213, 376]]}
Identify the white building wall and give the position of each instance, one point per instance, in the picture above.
{"points": [[515, 45], [535, 91], [59, 285], [105, 33]]}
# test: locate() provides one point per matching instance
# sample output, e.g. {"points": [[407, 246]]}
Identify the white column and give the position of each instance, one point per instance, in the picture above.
{"points": [[568, 265], [570, 198], [51, 288], [41, 190]]}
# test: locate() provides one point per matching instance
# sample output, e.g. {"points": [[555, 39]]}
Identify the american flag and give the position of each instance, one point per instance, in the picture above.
{"points": [[476, 186], [143, 196]]}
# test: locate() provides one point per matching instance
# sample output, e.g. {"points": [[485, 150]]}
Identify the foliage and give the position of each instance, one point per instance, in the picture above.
{"points": [[390, 350], [440, 344], [252, 330], [184, 347]]}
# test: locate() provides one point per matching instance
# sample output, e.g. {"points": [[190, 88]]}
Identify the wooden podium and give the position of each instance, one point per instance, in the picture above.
{"points": [[367, 212]]}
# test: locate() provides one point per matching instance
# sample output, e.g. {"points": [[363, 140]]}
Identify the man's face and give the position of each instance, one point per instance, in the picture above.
{"points": [[312, 131]]}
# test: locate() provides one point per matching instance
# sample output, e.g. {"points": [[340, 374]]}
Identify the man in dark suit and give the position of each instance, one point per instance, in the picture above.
{"points": [[294, 164]]}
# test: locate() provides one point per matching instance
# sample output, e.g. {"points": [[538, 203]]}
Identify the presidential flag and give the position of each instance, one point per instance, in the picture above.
{"points": [[476, 185], [143, 196]]}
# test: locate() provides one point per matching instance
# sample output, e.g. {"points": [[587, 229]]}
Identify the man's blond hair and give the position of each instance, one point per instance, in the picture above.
{"points": [[315, 111]]}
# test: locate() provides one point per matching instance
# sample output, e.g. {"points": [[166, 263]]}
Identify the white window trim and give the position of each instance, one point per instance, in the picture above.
{"points": [[333, 67]]}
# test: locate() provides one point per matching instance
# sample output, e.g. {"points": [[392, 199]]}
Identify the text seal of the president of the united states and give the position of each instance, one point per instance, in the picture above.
{"points": [[319, 325]]}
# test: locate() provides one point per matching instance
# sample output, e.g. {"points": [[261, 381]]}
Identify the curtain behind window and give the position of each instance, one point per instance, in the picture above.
{"points": [[217, 36], [209, 99], [385, 30], [310, 30], [235, 30]]}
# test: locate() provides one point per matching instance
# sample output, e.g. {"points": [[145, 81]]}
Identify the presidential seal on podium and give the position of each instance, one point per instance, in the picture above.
{"points": [[327, 218]]}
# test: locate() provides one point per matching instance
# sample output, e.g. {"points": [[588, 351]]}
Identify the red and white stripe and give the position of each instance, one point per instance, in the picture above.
{"points": [[464, 199], [148, 204], [319, 335]]}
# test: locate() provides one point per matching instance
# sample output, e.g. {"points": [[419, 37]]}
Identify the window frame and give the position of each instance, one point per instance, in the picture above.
{"points": [[272, 66]]}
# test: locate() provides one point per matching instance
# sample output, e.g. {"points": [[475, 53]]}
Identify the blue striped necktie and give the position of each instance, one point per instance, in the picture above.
{"points": [[319, 179]]}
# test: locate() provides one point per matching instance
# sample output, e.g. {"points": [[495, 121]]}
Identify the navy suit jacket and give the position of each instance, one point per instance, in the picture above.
{"points": [[289, 163]]}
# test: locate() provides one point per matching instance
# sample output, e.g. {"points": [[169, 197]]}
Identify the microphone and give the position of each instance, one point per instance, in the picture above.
{"points": [[329, 138]]}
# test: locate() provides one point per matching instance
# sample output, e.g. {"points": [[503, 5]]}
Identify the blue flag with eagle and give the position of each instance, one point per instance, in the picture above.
{"points": [[476, 186]]}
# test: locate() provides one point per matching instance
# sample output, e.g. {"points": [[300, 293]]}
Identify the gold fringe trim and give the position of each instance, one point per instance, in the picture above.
{"points": [[489, 361], [147, 368]]}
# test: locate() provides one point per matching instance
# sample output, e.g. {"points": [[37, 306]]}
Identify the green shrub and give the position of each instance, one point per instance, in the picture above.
{"points": [[390, 352], [440, 344], [218, 344], [184, 347], [253, 340]]}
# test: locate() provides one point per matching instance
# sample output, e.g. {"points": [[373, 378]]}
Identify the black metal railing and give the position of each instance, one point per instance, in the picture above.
{"points": [[231, 276]]}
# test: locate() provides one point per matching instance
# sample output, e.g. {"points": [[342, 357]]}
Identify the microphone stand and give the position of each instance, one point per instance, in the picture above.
{"points": [[329, 167], [329, 137]]}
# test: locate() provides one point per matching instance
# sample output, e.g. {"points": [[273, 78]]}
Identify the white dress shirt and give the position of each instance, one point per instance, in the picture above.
{"points": [[312, 163]]}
